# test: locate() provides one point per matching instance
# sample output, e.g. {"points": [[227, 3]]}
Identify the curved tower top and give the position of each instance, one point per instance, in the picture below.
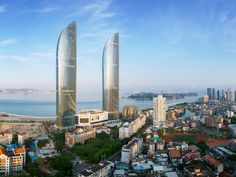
{"points": [[110, 71], [66, 77]]}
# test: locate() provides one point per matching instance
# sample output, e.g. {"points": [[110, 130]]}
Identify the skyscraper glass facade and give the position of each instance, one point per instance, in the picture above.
{"points": [[110, 71], [66, 77]]}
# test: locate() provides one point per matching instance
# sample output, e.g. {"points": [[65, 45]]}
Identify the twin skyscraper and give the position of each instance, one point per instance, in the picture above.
{"points": [[66, 77]]}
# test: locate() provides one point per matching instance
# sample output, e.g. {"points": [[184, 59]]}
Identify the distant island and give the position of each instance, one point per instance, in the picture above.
{"points": [[24, 91], [169, 96]]}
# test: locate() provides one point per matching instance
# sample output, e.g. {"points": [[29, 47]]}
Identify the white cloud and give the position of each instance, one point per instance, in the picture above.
{"points": [[2, 9], [8, 42], [97, 10], [41, 10], [29, 57]]}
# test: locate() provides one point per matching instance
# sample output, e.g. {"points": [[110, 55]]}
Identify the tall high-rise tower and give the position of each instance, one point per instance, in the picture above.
{"points": [[110, 76], [159, 110], [209, 93], [66, 77]]}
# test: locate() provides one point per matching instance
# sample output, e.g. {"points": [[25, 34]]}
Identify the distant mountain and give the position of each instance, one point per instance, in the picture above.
{"points": [[150, 95], [143, 95], [24, 91]]}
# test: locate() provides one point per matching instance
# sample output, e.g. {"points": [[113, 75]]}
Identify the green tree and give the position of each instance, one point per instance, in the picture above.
{"points": [[202, 146], [160, 132], [170, 130]]}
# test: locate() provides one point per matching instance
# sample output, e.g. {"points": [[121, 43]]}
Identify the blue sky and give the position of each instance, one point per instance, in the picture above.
{"points": [[164, 44]]}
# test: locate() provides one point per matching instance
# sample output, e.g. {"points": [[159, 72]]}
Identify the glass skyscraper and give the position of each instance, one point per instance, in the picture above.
{"points": [[66, 77], [110, 76]]}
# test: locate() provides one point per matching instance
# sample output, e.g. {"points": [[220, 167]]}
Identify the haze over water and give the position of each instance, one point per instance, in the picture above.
{"points": [[45, 104]]}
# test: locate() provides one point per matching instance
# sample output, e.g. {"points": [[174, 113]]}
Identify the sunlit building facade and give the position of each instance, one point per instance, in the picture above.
{"points": [[159, 110], [110, 71], [13, 160], [66, 77]]}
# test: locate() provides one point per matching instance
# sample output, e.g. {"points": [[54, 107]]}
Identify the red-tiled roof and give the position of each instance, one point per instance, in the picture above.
{"points": [[212, 160], [192, 147], [215, 142], [174, 153], [200, 138], [193, 154], [167, 138], [19, 150], [3, 151]]}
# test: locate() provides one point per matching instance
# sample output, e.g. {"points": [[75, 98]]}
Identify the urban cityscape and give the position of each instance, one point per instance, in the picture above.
{"points": [[184, 125]]}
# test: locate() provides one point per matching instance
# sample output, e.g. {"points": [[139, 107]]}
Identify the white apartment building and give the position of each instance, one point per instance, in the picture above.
{"points": [[131, 150], [125, 131], [4, 162], [87, 118], [5, 138], [12, 161], [159, 110], [128, 129], [21, 138]]}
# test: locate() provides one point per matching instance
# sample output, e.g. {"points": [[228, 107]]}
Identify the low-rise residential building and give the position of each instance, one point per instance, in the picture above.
{"points": [[142, 165], [218, 167], [79, 136], [45, 147], [119, 173], [192, 156], [102, 169], [232, 128], [90, 118], [171, 115], [215, 122], [6, 138], [131, 150], [175, 156], [232, 145], [171, 174], [199, 169]]}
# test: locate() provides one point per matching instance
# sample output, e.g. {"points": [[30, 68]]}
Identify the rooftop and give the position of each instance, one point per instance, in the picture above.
{"points": [[174, 153], [131, 143], [2, 151], [92, 111], [91, 169], [211, 160], [199, 169], [19, 150], [171, 174], [211, 142]]}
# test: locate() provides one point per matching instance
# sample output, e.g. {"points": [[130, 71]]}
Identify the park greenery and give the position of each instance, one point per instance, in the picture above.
{"points": [[59, 140], [203, 147], [95, 150], [170, 130], [92, 151], [42, 143], [161, 132]]}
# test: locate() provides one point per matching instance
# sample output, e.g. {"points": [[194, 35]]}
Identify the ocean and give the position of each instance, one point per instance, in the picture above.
{"points": [[45, 104]]}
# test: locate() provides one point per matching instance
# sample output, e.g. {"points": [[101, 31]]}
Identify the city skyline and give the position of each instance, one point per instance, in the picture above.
{"points": [[175, 52]]}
